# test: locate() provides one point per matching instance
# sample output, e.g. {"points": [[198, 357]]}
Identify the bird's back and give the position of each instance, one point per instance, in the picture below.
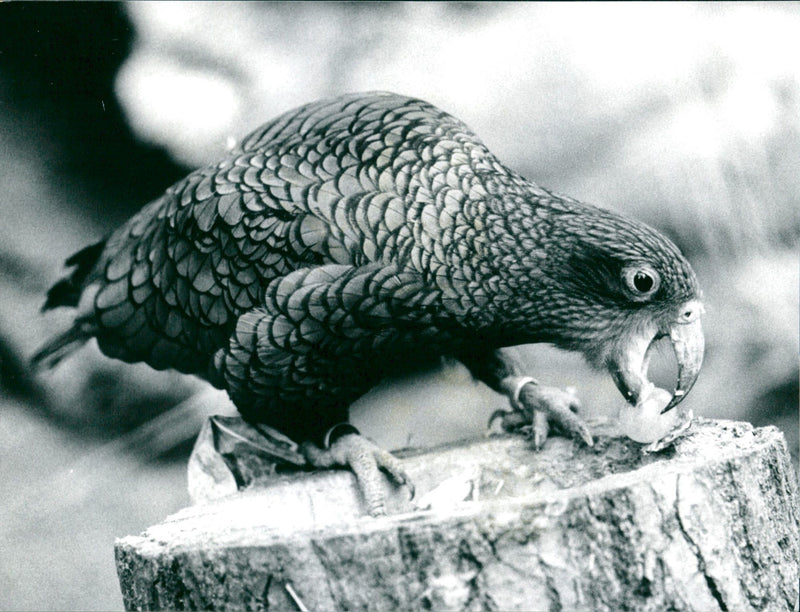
{"points": [[355, 180]]}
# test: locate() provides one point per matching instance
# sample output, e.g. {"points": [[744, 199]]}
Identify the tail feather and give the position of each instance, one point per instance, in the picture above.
{"points": [[63, 293], [60, 346], [67, 291]]}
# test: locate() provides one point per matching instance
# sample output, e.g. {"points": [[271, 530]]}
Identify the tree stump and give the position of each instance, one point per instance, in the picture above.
{"points": [[708, 524]]}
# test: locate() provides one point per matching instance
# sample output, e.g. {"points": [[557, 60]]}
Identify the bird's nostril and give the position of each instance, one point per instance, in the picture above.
{"points": [[691, 311]]}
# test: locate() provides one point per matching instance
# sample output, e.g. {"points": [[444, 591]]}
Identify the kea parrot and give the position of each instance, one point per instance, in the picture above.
{"points": [[354, 237]]}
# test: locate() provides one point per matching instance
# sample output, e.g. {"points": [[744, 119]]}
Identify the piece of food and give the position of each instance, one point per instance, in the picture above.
{"points": [[644, 422]]}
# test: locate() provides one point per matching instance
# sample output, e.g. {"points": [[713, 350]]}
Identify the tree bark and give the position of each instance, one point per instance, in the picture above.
{"points": [[709, 524]]}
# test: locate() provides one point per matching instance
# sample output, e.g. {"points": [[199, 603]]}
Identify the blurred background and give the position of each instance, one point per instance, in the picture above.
{"points": [[686, 116]]}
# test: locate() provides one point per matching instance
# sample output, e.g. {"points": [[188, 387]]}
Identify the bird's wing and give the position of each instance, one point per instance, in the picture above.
{"points": [[323, 336], [327, 183]]}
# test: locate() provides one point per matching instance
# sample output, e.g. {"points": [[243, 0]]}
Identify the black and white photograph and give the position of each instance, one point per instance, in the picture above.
{"points": [[399, 306]]}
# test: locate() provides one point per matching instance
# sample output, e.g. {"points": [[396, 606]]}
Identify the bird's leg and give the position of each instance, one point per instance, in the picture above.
{"points": [[535, 407], [346, 447], [542, 406]]}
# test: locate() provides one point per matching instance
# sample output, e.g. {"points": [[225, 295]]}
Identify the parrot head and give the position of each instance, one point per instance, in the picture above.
{"points": [[613, 287]]}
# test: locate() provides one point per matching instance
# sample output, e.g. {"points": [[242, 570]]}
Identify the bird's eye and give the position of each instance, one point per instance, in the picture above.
{"points": [[641, 281]]}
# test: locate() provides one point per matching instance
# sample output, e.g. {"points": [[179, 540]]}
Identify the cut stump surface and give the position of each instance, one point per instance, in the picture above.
{"points": [[710, 524]]}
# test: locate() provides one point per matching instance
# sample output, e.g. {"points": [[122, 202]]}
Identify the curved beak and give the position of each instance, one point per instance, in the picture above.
{"points": [[629, 367], [688, 343]]}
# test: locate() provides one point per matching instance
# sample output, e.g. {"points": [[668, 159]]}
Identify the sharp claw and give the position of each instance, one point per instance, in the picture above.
{"points": [[403, 479], [586, 436], [390, 465], [577, 428], [497, 414], [541, 429]]}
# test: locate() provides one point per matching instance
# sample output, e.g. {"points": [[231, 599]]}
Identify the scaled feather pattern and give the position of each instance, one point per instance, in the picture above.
{"points": [[351, 237]]}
